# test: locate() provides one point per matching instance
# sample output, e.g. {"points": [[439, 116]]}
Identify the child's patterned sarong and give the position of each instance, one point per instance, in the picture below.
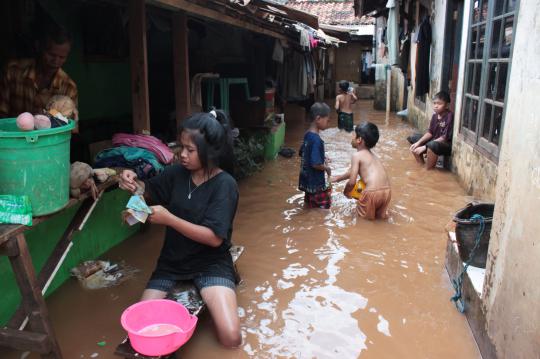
{"points": [[321, 199]]}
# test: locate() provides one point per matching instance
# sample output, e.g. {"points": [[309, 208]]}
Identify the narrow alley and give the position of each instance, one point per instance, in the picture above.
{"points": [[316, 284]]}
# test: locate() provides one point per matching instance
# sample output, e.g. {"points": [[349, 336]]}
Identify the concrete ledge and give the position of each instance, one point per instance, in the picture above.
{"points": [[473, 282]]}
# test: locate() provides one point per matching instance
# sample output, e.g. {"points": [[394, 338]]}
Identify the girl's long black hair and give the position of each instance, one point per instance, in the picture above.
{"points": [[213, 137]]}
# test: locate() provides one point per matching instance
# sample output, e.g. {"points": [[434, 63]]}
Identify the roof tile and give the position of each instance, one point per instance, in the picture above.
{"points": [[331, 12]]}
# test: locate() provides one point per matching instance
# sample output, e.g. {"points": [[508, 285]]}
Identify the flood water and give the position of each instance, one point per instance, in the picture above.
{"points": [[316, 283]]}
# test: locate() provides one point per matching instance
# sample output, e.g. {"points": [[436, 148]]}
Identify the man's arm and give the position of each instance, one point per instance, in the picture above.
{"points": [[337, 103]]}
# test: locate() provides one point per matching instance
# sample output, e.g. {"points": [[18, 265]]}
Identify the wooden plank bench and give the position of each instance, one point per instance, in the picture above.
{"points": [[33, 311], [184, 293]]}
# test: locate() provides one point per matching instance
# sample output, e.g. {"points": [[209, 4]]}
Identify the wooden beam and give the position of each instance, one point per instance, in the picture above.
{"points": [[22, 340], [32, 300], [181, 66], [139, 66], [199, 10], [54, 260]]}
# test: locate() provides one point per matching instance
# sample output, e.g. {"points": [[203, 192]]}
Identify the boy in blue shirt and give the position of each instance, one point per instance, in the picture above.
{"points": [[313, 165]]}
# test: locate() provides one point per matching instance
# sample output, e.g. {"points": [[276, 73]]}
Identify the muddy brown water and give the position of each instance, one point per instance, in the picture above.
{"points": [[316, 283]]}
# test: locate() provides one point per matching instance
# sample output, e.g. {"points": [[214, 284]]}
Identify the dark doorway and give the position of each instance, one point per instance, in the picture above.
{"points": [[452, 46]]}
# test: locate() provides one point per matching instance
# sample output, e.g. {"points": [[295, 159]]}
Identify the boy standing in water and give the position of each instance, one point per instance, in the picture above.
{"points": [[437, 141], [343, 106], [313, 165], [375, 198]]}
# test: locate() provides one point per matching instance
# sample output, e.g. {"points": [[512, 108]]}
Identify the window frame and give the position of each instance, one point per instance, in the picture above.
{"points": [[475, 138]]}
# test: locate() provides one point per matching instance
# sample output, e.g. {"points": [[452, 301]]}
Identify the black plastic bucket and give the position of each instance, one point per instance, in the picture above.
{"points": [[466, 231]]}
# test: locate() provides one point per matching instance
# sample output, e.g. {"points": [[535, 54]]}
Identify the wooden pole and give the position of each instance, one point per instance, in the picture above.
{"points": [[139, 66], [181, 66], [388, 90]]}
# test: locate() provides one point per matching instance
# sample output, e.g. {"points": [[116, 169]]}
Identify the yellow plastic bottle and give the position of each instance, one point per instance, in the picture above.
{"points": [[357, 189]]}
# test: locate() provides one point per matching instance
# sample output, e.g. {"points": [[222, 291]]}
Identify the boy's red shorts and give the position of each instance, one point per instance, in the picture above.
{"points": [[321, 199]]}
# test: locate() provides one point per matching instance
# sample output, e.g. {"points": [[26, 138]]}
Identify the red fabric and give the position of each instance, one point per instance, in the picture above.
{"points": [[150, 143], [321, 199]]}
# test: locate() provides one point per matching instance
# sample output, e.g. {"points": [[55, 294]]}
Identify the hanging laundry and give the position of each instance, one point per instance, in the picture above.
{"points": [[277, 54], [313, 42], [304, 37], [422, 58], [404, 50]]}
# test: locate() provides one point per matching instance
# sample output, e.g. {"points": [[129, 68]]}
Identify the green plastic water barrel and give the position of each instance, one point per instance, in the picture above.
{"points": [[36, 164]]}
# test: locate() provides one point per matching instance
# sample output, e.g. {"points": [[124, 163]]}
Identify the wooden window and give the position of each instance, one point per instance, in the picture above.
{"points": [[489, 56]]}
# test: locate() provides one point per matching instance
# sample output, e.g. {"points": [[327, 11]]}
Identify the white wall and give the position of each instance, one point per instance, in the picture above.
{"points": [[512, 287], [476, 173]]}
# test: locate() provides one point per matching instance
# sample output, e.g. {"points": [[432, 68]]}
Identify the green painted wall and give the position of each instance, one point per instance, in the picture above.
{"points": [[104, 86], [103, 230]]}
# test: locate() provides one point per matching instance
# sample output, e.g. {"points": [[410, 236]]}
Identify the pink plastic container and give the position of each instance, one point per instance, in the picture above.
{"points": [[147, 316]]}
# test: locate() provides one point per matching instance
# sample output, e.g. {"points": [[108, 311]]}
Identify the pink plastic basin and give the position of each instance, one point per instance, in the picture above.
{"points": [[167, 313]]}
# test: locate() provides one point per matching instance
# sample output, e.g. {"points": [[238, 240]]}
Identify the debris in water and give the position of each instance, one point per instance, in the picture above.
{"points": [[102, 274], [95, 355], [102, 344], [383, 326]]}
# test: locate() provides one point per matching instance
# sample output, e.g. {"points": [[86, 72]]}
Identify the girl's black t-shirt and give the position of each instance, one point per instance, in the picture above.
{"points": [[213, 204]]}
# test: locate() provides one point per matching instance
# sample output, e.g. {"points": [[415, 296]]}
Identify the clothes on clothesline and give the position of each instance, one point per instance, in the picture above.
{"points": [[404, 51], [277, 54], [367, 61], [304, 37], [297, 76], [422, 58]]}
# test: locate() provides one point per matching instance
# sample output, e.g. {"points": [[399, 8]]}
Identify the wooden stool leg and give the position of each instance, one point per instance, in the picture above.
{"points": [[32, 300]]}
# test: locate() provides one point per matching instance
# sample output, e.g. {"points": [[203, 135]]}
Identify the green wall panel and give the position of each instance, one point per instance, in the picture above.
{"points": [[103, 230]]}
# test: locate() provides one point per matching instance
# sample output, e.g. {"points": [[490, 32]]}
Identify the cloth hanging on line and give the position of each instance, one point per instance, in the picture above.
{"points": [[304, 37], [297, 76], [277, 54], [422, 58]]}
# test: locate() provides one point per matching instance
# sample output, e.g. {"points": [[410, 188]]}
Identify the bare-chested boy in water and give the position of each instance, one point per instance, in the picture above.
{"points": [[343, 106], [375, 198]]}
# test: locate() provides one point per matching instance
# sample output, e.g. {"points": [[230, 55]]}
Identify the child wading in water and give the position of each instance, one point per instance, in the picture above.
{"points": [[375, 198], [197, 201], [437, 141], [343, 106], [313, 166]]}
